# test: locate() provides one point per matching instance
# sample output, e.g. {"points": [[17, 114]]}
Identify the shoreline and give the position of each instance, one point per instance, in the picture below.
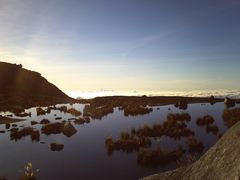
{"points": [[16, 104]]}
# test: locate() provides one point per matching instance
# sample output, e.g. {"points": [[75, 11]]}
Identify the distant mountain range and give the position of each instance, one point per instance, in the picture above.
{"points": [[21, 88]]}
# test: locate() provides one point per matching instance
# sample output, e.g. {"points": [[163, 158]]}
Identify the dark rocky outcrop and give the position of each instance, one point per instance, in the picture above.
{"points": [[22, 88]]}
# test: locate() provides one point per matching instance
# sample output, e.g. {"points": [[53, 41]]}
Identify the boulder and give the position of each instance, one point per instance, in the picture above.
{"points": [[69, 130]]}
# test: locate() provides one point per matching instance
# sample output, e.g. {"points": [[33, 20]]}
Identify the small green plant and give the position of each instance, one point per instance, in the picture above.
{"points": [[29, 172]]}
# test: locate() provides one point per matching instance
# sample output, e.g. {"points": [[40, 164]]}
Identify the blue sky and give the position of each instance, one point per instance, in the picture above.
{"points": [[127, 44]]}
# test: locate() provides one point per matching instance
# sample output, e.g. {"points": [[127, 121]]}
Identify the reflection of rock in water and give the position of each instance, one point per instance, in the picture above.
{"points": [[17, 134], [56, 147], [231, 116], [212, 128], [229, 102], [179, 116], [195, 145], [206, 120], [174, 127], [127, 143], [158, 157]]}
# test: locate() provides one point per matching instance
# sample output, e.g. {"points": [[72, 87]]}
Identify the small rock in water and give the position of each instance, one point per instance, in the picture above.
{"points": [[34, 123], [68, 129], [7, 126], [56, 147]]}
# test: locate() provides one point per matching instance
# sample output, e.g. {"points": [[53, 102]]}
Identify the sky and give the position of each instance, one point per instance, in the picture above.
{"points": [[128, 44]]}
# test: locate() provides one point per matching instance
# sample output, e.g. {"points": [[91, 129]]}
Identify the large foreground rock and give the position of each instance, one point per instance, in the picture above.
{"points": [[221, 162]]}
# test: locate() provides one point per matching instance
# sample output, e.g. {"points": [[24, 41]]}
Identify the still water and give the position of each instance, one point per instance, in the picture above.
{"points": [[84, 155]]}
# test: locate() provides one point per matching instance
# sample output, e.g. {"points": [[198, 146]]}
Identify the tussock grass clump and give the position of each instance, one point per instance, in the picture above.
{"points": [[173, 127], [206, 120], [135, 109], [40, 111], [97, 112], [74, 112], [127, 143]]}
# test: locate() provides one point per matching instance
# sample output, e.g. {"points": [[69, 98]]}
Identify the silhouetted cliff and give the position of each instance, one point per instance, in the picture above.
{"points": [[21, 88]]}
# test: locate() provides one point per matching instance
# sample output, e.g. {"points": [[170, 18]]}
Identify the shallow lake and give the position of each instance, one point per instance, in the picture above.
{"points": [[85, 156]]}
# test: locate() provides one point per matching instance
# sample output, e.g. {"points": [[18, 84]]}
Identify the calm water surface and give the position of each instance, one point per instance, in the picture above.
{"points": [[84, 155]]}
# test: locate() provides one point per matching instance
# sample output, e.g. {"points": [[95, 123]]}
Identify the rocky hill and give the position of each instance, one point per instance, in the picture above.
{"points": [[21, 88]]}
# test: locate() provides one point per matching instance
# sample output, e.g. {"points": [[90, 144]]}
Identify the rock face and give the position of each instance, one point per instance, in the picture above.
{"points": [[221, 162], [24, 88]]}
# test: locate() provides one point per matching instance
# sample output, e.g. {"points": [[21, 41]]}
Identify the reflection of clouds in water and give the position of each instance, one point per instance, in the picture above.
{"points": [[233, 93]]}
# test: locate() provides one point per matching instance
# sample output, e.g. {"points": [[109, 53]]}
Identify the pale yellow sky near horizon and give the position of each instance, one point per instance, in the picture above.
{"points": [[87, 76]]}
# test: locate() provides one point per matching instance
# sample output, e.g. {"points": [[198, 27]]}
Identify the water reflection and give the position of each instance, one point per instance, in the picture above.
{"points": [[17, 134], [145, 144], [231, 116]]}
